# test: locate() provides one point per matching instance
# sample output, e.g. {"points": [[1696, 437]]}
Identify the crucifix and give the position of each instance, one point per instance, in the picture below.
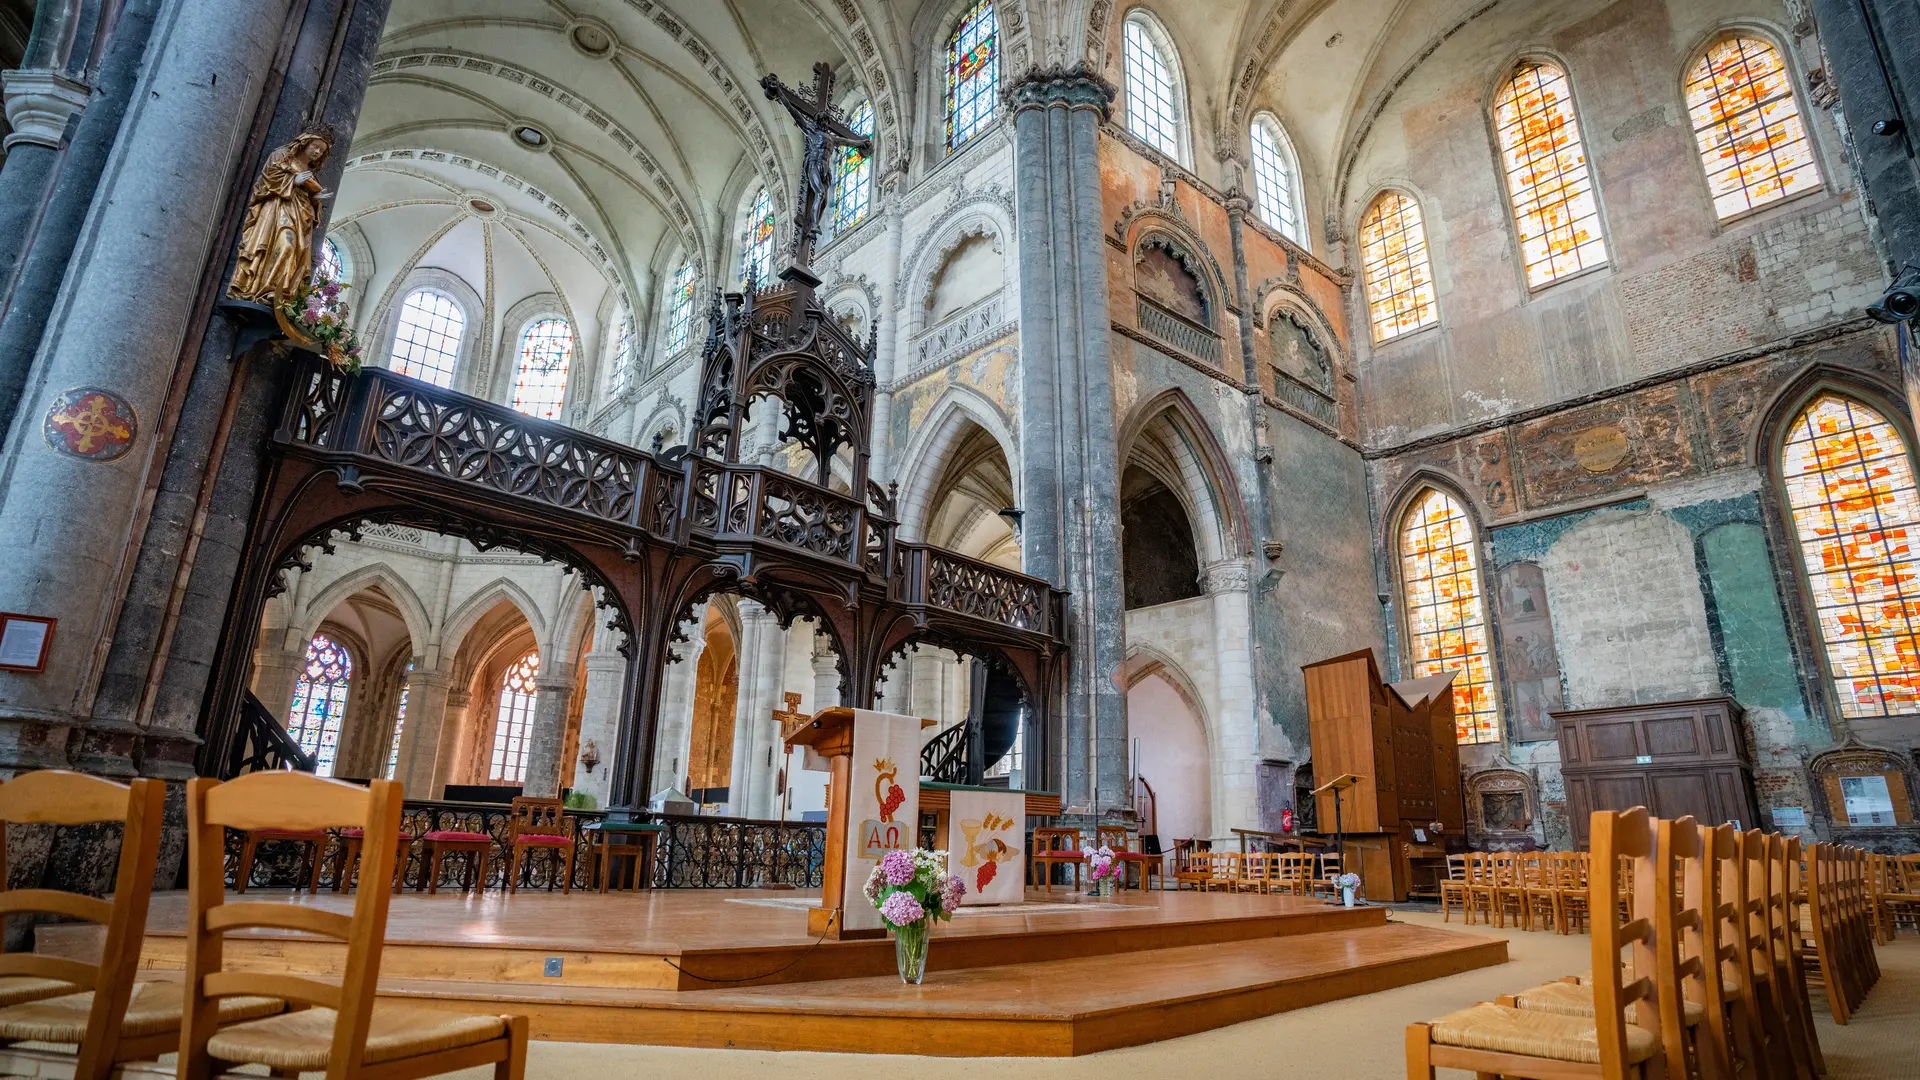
{"points": [[825, 131]]}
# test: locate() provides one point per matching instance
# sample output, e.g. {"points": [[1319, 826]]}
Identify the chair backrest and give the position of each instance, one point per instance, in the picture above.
{"points": [[1295, 866], [60, 797], [540, 817], [1045, 840], [284, 800], [1479, 871], [1628, 836], [1504, 866], [1685, 935], [1456, 868], [1713, 893], [1745, 874], [1113, 836], [1905, 876], [1329, 865]]}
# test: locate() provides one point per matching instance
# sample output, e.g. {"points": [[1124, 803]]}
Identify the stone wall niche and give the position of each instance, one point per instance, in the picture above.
{"points": [[1501, 807]]}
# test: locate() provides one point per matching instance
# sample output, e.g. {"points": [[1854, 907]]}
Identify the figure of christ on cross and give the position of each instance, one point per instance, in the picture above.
{"points": [[825, 131]]}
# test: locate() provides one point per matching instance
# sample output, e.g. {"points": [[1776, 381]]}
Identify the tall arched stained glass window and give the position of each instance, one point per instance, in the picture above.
{"points": [[546, 351], [1154, 103], [1849, 484], [1446, 613], [427, 343], [399, 721], [756, 242], [1554, 207], [330, 265], [320, 702], [1747, 123], [513, 725], [973, 73], [1393, 258], [853, 173], [680, 309], [1276, 180], [622, 374]]}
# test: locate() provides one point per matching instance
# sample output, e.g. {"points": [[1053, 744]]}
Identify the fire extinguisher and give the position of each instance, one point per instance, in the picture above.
{"points": [[1286, 821]]}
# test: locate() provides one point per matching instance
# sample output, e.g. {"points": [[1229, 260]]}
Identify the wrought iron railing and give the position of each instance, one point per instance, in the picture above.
{"points": [[690, 852], [944, 757], [261, 744]]}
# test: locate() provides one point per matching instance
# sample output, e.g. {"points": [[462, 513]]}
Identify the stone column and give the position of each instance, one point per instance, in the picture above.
{"points": [[427, 694], [151, 229], [42, 104], [552, 693], [446, 763], [1236, 735], [275, 674], [600, 713], [826, 674], [755, 623], [1069, 468], [887, 341], [679, 685]]}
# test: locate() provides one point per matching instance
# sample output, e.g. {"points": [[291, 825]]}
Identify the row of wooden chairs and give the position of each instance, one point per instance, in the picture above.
{"points": [[1895, 884], [1536, 888], [1051, 847], [1716, 983], [218, 1019], [1838, 929], [1296, 873]]}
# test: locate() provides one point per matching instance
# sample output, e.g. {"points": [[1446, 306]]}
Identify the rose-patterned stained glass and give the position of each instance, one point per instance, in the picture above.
{"points": [[1849, 483], [973, 73], [546, 351], [1393, 256], [853, 174], [320, 702], [1547, 177], [680, 309], [1446, 610], [756, 242], [1752, 139], [513, 725], [399, 722]]}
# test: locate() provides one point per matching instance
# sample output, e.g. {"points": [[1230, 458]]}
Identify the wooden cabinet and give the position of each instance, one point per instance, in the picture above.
{"points": [[1399, 740], [1676, 759]]}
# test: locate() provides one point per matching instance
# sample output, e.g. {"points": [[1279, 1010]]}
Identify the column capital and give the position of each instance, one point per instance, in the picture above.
{"points": [[40, 101], [1076, 87], [1227, 575]]}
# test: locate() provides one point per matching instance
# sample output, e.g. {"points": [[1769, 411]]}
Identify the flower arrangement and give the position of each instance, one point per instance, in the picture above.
{"points": [[912, 889], [1347, 881], [1103, 863], [318, 318]]}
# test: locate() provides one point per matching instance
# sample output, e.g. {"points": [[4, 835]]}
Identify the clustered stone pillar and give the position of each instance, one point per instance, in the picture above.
{"points": [[1069, 468], [680, 685], [1235, 747], [552, 693], [826, 673], [427, 698], [606, 681], [276, 671], [750, 782]]}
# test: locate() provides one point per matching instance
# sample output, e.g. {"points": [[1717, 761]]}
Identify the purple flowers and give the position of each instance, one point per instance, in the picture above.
{"points": [[901, 909], [954, 890], [898, 866]]}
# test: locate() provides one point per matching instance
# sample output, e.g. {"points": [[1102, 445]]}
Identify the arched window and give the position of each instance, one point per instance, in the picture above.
{"points": [[1849, 484], [680, 309], [973, 73], [427, 343], [320, 702], [1154, 102], [513, 725], [1554, 208], [1446, 612], [622, 374], [853, 173], [1748, 126], [399, 721], [331, 266], [1276, 180], [1393, 257], [546, 351], [756, 242]]}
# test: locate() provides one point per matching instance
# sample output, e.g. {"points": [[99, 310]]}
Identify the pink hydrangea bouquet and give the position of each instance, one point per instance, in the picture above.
{"points": [[912, 889], [1103, 862], [319, 319]]}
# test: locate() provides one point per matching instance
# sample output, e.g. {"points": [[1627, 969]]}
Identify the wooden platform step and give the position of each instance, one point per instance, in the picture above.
{"points": [[1047, 1008]]}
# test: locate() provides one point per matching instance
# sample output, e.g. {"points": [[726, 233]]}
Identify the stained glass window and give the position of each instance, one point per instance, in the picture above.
{"points": [[1153, 93], [1553, 202], [853, 173], [1849, 484], [331, 266], [680, 309], [513, 725], [1446, 613], [1276, 180], [1748, 125], [973, 73], [1393, 255], [756, 242], [546, 350], [399, 721], [622, 352], [320, 702], [427, 343]]}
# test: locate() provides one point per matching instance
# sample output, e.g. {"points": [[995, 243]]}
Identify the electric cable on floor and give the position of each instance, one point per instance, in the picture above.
{"points": [[831, 919]]}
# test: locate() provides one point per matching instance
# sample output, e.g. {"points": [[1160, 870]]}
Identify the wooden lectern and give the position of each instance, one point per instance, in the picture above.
{"points": [[830, 734]]}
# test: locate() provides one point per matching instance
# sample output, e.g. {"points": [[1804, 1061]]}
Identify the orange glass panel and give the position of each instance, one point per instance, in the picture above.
{"points": [[1393, 253], [1546, 165], [1849, 484], [1445, 612], [1748, 126]]}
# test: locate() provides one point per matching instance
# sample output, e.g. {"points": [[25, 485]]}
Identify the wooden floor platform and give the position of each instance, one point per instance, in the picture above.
{"points": [[1062, 975]]}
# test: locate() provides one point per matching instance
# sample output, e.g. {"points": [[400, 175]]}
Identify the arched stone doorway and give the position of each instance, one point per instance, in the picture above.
{"points": [[1171, 759]]}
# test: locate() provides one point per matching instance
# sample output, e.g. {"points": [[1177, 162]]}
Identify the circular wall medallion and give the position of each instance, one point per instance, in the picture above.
{"points": [[1601, 449], [90, 423]]}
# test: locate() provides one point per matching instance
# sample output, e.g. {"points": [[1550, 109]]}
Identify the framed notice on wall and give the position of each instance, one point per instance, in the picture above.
{"points": [[25, 641]]}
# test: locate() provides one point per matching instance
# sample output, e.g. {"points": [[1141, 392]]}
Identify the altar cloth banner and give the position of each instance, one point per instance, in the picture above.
{"points": [[883, 809], [986, 845]]}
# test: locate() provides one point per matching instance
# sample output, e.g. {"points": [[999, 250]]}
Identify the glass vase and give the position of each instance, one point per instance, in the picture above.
{"points": [[1103, 886], [1346, 896], [910, 951]]}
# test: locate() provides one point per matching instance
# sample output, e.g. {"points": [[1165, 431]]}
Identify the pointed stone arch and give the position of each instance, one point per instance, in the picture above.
{"points": [[484, 600], [1205, 482], [930, 451], [343, 588]]}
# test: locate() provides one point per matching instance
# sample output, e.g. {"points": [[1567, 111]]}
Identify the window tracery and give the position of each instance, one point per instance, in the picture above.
{"points": [[973, 74], [1446, 614], [1393, 257], [1747, 124], [1554, 207], [320, 702], [1153, 90], [546, 352], [756, 242], [427, 343], [513, 723], [1276, 180], [853, 174]]}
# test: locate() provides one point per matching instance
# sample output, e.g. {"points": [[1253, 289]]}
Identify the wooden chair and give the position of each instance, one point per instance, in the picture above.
{"points": [[1115, 837], [438, 844], [1835, 942], [1329, 870], [1901, 899], [1292, 873], [1622, 1039], [541, 825], [1539, 889], [1744, 941], [1193, 868], [1479, 884], [1055, 847], [253, 838], [1506, 890], [345, 1031], [1453, 887], [1572, 890], [350, 844], [1788, 980]]}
